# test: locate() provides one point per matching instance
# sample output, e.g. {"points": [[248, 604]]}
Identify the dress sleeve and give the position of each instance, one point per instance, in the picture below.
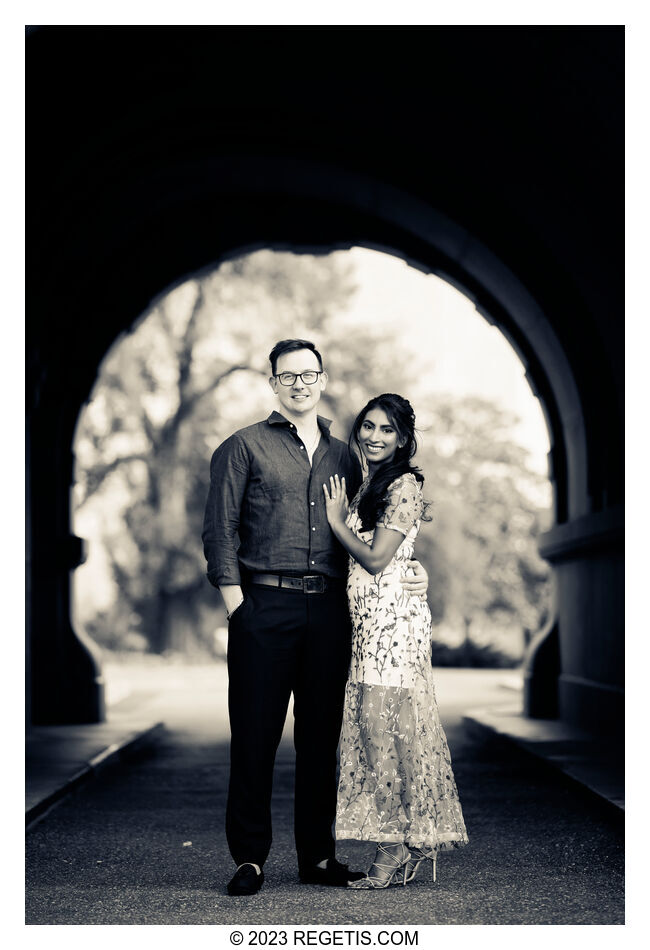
{"points": [[404, 504]]}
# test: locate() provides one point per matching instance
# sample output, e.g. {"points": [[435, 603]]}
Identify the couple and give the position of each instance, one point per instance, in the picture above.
{"points": [[359, 666]]}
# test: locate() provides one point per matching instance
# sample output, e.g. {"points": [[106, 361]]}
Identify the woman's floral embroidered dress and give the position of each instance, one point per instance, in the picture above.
{"points": [[396, 783]]}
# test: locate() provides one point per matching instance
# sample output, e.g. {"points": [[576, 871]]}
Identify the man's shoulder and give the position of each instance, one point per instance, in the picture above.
{"points": [[342, 452], [333, 440], [339, 445], [242, 438], [252, 431]]}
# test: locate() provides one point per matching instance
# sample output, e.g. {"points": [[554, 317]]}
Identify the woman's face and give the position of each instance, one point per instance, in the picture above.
{"points": [[378, 437]]}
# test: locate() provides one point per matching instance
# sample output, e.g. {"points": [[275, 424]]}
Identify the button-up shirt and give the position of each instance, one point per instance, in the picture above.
{"points": [[264, 491]]}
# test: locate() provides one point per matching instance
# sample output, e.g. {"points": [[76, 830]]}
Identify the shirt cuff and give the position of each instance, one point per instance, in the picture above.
{"points": [[220, 577]]}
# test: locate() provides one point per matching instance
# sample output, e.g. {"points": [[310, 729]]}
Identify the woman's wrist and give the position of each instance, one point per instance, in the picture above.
{"points": [[339, 528]]}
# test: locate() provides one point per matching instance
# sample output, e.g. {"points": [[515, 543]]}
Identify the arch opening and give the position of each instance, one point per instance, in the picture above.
{"points": [[365, 352], [288, 206]]}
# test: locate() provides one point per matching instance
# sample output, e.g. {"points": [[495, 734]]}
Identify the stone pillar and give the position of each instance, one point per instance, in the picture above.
{"points": [[588, 557], [65, 684], [541, 672]]}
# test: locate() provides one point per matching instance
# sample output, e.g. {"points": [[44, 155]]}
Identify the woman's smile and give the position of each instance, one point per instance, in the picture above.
{"points": [[378, 437]]}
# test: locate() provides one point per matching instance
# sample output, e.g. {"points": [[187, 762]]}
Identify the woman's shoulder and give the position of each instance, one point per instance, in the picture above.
{"points": [[405, 482], [404, 503]]}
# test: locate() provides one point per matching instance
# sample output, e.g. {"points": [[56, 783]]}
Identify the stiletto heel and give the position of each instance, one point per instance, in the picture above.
{"points": [[417, 857]]}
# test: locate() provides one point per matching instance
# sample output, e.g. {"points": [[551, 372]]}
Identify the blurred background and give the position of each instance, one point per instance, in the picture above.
{"points": [[195, 367]]}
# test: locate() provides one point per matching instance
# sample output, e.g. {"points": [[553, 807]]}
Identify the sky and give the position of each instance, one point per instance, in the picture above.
{"points": [[457, 349]]}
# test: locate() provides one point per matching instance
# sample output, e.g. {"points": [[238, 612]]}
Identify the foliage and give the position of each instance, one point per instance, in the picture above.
{"points": [[488, 576], [195, 368]]}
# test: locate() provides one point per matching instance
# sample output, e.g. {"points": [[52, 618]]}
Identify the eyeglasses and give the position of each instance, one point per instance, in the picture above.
{"points": [[308, 378]]}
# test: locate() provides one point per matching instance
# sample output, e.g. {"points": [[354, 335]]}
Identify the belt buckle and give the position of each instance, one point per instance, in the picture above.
{"points": [[313, 583]]}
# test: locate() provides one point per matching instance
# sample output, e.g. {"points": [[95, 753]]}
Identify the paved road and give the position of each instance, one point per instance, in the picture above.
{"points": [[145, 844]]}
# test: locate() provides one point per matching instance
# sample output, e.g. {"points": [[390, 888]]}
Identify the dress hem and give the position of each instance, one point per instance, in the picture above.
{"points": [[448, 843]]}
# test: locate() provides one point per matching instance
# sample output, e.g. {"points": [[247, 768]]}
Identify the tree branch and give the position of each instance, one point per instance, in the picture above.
{"points": [[186, 355], [188, 405], [151, 432], [99, 474]]}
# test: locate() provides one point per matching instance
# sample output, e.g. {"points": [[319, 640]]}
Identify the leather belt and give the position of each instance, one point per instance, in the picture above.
{"points": [[308, 584]]}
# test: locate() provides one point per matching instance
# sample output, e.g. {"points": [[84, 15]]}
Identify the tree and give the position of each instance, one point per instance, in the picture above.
{"points": [[195, 368], [488, 510]]}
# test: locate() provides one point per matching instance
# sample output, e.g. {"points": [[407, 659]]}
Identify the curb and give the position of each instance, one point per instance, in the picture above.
{"points": [[612, 806], [108, 758]]}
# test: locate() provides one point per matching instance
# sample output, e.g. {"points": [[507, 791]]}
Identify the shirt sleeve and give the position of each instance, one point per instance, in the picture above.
{"points": [[229, 471], [404, 504]]}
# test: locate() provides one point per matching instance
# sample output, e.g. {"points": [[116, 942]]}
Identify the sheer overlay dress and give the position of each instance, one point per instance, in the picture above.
{"points": [[396, 782]]}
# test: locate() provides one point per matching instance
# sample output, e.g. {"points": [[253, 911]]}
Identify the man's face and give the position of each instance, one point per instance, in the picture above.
{"points": [[300, 397]]}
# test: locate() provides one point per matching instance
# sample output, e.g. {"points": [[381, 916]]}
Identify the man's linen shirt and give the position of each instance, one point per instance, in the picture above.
{"points": [[264, 492]]}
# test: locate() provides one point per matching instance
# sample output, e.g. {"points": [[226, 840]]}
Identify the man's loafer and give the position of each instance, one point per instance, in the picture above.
{"points": [[245, 880], [334, 875]]}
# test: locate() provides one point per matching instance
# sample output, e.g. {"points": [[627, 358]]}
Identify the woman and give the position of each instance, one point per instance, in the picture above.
{"points": [[396, 785]]}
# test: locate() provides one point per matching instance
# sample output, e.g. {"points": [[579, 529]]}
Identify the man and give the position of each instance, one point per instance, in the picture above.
{"points": [[288, 620]]}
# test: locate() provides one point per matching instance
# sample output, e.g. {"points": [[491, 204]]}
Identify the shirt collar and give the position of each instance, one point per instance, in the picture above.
{"points": [[277, 419]]}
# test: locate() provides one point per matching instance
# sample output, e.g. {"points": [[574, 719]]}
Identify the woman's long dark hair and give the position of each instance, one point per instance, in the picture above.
{"points": [[401, 416]]}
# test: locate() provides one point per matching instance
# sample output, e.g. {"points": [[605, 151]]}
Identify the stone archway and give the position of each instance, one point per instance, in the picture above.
{"points": [[125, 211], [444, 248]]}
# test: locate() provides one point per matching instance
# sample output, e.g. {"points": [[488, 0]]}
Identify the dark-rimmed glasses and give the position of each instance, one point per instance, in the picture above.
{"points": [[308, 378]]}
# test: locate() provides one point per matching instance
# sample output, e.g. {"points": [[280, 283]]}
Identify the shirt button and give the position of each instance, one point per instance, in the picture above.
{"points": [[312, 503], [313, 529], [313, 562], [302, 446]]}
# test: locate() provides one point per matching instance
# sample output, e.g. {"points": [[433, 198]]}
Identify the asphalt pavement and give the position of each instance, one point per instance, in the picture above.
{"points": [[144, 843]]}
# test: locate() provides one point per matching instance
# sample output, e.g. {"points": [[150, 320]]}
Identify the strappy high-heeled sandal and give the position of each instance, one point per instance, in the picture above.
{"points": [[383, 879], [416, 859]]}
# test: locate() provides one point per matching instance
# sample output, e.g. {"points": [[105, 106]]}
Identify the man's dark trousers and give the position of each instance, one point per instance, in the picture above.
{"points": [[281, 641]]}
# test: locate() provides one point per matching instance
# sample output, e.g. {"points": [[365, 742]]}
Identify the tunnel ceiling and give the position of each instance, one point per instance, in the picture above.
{"points": [[514, 133]]}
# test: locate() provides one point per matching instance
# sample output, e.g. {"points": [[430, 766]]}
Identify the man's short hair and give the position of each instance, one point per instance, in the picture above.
{"points": [[288, 346]]}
